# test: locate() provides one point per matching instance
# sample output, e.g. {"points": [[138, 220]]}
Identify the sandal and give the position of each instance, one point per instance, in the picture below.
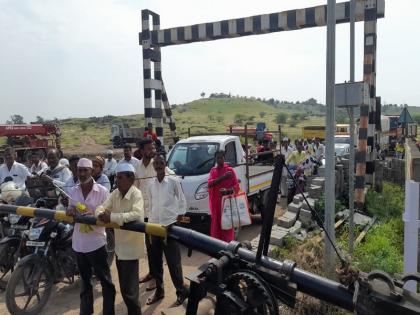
{"points": [[155, 297], [146, 278], [181, 298], [151, 286]]}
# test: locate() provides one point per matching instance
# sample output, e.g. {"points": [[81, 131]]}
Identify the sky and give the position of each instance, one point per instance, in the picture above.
{"points": [[81, 58]]}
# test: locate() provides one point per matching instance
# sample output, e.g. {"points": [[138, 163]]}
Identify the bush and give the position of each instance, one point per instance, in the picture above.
{"points": [[383, 248], [262, 114], [293, 123], [320, 206], [239, 118], [388, 204], [84, 126], [281, 118]]}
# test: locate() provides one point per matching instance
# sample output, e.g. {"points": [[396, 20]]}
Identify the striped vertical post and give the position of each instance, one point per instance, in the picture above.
{"points": [[168, 113], [145, 41], [157, 112], [366, 146]]}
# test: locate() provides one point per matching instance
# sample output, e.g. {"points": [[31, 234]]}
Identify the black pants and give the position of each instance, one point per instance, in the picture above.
{"points": [[173, 258], [128, 275], [111, 180], [96, 261], [148, 248]]}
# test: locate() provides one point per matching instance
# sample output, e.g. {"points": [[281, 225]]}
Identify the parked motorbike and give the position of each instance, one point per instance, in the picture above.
{"points": [[295, 182], [53, 260], [296, 179], [12, 244]]}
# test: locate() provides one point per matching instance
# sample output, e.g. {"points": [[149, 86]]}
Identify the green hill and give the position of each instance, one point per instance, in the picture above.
{"points": [[208, 115]]}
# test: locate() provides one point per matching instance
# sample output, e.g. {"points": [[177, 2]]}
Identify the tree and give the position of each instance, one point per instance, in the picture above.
{"points": [[281, 118], [203, 94], [40, 120], [295, 116], [310, 101], [239, 118], [293, 123], [416, 118], [262, 114], [16, 120]]}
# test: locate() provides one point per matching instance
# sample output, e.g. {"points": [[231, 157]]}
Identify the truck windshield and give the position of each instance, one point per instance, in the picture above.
{"points": [[189, 159]]}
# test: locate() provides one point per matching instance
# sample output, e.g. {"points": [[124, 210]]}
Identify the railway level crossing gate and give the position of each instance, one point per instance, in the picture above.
{"points": [[157, 107]]}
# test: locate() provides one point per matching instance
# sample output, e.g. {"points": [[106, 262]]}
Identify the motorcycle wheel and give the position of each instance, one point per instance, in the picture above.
{"points": [[110, 245], [29, 288]]}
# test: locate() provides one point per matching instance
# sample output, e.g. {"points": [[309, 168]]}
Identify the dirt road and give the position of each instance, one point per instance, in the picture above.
{"points": [[65, 299]]}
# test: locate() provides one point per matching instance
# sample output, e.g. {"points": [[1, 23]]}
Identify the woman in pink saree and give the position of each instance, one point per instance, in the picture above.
{"points": [[222, 177]]}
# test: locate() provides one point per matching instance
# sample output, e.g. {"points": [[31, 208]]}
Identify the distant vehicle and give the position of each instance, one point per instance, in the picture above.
{"points": [[310, 132], [259, 132], [342, 149], [345, 139], [122, 134], [193, 158], [391, 131], [27, 138]]}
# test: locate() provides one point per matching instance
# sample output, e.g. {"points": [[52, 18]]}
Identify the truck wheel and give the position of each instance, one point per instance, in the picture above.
{"points": [[117, 142]]}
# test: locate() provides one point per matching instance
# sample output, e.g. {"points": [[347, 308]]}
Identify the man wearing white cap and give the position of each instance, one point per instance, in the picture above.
{"points": [[89, 241], [124, 205], [110, 166]]}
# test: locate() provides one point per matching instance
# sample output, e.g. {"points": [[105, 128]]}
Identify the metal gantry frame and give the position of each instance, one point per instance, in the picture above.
{"points": [[153, 39]]}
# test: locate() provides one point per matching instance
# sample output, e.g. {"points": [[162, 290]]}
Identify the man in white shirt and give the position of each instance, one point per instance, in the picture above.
{"points": [[18, 172], [319, 149], [145, 174], [166, 204], [57, 173], [128, 157], [110, 166], [286, 150], [72, 181], [38, 166]]}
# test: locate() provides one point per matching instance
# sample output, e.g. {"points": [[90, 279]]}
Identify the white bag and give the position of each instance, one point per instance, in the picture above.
{"points": [[235, 211]]}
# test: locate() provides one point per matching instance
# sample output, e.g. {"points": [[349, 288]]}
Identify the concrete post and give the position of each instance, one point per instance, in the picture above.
{"points": [[411, 230], [330, 127]]}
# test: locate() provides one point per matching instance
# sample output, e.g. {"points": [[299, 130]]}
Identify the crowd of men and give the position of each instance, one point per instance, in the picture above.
{"points": [[119, 192]]}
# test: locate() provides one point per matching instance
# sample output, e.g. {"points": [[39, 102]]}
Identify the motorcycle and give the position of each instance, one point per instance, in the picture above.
{"points": [[12, 244], [296, 179], [53, 260], [295, 182]]}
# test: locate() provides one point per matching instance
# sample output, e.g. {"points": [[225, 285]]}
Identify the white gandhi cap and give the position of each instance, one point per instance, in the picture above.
{"points": [[125, 167]]}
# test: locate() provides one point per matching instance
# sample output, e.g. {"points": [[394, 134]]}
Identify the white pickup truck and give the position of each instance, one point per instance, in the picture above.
{"points": [[193, 158]]}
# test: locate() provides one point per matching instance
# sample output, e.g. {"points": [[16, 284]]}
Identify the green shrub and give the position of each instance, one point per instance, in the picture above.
{"points": [[387, 204], [383, 248], [320, 206]]}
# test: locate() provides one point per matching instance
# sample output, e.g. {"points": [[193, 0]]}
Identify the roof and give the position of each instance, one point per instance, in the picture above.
{"points": [[405, 117], [218, 139]]}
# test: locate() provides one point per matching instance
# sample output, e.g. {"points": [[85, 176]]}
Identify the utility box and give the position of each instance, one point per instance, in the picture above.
{"points": [[351, 94]]}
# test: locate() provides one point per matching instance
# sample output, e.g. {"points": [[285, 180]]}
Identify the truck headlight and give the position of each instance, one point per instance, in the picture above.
{"points": [[202, 192]]}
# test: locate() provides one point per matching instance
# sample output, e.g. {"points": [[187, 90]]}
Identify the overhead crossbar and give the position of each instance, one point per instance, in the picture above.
{"points": [[258, 24]]}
